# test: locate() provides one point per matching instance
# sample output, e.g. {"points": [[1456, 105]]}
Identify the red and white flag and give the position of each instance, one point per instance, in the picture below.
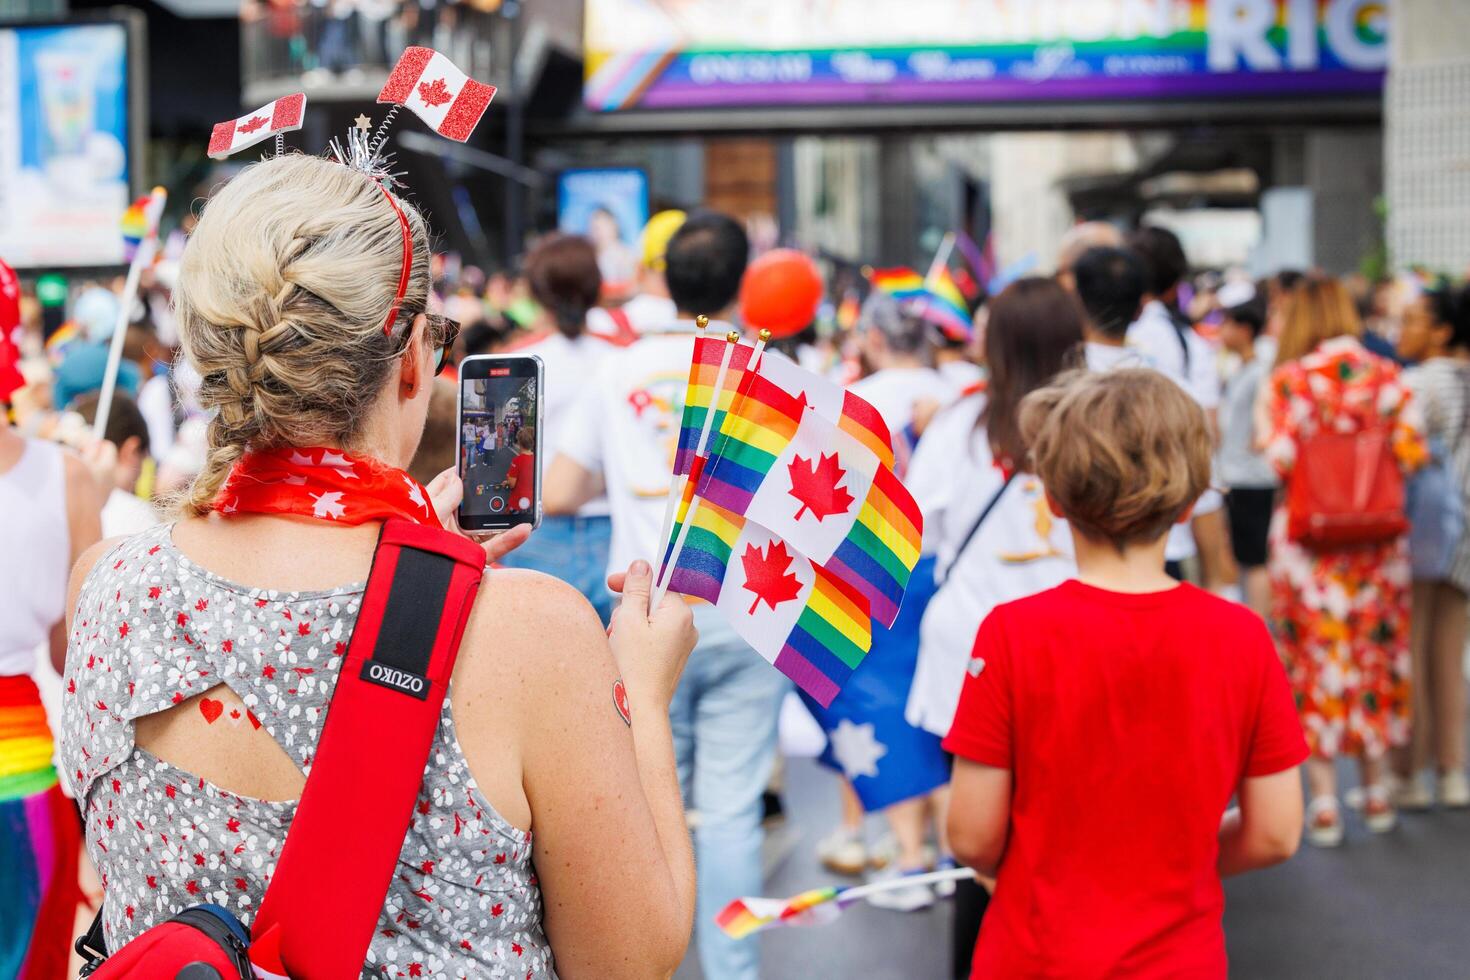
{"points": [[281, 116], [440, 94]]}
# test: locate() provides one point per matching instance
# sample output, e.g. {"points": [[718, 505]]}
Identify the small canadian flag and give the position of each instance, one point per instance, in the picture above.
{"points": [[281, 116], [439, 93]]}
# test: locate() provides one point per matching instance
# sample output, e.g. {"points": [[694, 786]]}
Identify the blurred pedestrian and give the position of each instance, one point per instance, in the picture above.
{"points": [[1250, 480], [1341, 615], [622, 438], [563, 274], [123, 512], [1169, 341], [49, 515], [1435, 335]]}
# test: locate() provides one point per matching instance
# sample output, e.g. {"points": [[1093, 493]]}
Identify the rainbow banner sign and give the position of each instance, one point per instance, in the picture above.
{"points": [[642, 54]]}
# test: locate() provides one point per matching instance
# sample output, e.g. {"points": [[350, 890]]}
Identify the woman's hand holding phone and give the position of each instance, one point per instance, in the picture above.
{"points": [[445, 492]]}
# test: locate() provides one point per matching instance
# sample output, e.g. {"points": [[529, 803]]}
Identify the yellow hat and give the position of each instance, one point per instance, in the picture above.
{"points": [[655, 239]]}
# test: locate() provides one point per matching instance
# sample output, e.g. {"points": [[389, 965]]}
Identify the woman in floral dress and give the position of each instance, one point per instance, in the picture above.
{"points": [[1341, 617]]}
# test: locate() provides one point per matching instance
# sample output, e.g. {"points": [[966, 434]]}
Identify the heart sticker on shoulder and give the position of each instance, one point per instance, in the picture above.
{"points": [[620, 701]]}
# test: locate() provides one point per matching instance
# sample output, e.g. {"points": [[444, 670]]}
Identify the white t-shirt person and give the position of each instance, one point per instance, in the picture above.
{"points": [[1021, 549], [624, 425]]}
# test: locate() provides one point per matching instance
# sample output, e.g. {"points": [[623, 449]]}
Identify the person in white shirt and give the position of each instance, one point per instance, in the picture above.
{"points": [[564, 279], [1174, 348], [621, 440]]}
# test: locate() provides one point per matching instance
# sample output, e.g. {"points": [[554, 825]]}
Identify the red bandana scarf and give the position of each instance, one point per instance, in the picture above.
{"points": [[325, 484]]}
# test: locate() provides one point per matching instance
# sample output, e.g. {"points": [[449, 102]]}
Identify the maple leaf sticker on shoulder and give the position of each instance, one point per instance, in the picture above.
{"points": [[817, 486], [435, 93], [766, 575]]}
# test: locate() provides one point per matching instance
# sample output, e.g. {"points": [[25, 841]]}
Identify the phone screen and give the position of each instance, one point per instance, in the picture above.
{"points": [[500, 441]]}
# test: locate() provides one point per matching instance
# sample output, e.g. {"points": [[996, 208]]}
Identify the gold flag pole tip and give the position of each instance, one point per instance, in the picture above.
{"points": [[733, 336], [765, 336], [701, 321]]}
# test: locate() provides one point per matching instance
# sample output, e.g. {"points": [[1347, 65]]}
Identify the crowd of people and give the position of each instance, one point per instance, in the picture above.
{"points": [[1295, 451], [326, 39]]}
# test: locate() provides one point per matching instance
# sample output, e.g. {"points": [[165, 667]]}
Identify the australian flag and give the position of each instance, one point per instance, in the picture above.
{"points": [[886, 759]]}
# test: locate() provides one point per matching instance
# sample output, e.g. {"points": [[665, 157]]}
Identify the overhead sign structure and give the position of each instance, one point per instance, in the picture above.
{"points": [[666, 54]]}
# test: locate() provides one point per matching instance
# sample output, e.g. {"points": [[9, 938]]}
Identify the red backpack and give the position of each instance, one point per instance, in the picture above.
{"points": [[369, 762], [1346, 489]]}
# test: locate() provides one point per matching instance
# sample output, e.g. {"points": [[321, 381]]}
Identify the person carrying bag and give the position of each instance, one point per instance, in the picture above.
{"points": [[370, 762]]}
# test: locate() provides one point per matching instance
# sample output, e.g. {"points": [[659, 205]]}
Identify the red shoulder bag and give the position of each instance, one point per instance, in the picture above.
{"points": [[369, 763]]}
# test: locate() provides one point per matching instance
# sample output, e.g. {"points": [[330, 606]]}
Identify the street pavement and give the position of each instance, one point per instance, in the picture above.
{"points": [[1378, 907]]}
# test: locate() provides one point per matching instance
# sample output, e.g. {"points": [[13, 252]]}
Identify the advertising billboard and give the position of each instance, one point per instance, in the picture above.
{"points": [[658, 54], [64, 144], [609, 206]]}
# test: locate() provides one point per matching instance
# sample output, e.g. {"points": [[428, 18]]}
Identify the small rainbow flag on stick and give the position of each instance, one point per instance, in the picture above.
{"points": [[746, 916], [135, 226], [899, 282]]}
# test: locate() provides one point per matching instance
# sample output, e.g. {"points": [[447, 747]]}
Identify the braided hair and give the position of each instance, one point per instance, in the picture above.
{"points": [[283, 292]]}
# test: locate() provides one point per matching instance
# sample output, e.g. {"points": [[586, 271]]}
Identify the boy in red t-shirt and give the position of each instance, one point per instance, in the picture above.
{"points": [[1106, 724], [521, 477]]}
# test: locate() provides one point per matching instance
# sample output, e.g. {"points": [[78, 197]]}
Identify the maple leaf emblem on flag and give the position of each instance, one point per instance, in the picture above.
{"points": [[252, 124], [817, 486], [434, 93], [766, 575]]}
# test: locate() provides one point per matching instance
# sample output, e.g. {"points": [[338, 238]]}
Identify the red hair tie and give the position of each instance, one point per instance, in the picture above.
{"points": [[407, 261]]}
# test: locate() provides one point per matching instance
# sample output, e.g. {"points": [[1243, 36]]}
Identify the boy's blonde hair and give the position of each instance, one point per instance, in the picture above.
{"points": [[283, 292], [1122, 453]]}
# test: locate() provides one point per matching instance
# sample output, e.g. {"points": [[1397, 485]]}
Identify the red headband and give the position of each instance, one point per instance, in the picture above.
{"points": [[407, 261]]}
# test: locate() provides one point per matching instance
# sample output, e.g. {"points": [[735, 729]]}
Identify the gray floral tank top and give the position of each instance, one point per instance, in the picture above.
{"points": [[153, 629]]}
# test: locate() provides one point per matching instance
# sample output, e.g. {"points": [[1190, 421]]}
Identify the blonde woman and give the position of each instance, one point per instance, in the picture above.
{"points": [[550, 839], [1341, 617]]}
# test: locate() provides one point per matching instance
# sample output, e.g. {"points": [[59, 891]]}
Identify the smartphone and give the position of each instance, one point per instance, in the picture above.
{"points": [[498, 438]]}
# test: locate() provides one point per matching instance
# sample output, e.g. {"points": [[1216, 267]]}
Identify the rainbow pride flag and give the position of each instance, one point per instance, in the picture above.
{"points": [[784, 463], [703, 370], [745, 916], [134, 227], [803, 619], [899, 282]]}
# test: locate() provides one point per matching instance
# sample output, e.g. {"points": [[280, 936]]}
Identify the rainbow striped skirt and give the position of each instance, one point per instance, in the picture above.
{"points": [[40, 842]]}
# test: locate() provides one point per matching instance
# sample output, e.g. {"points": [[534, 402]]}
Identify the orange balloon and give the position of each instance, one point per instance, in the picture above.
{"points": [[781, 292]]}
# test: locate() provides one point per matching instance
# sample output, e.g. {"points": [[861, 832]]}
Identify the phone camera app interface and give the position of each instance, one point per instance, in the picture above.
{"points": [[498, 445]]}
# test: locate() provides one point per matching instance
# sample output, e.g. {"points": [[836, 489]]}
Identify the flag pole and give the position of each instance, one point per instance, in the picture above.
{"points": [[755, 357], [946, 246], [731, 339], [142, 258], [676, 493]]}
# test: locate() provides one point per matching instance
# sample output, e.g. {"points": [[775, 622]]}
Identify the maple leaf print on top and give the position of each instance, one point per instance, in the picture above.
{"points": [[434, 93], [817, 487], [766, 575]]}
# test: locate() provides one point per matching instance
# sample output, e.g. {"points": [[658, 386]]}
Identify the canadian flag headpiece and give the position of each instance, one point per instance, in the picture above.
{"points": [[424, 81]]}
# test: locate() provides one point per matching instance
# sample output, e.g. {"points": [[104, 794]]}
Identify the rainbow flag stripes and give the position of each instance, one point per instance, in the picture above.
{"points": [[134, 227], [881, 550], [749, 915], [807, 622], [901, 282], [703, 370], [944, 305], [794, 525]]}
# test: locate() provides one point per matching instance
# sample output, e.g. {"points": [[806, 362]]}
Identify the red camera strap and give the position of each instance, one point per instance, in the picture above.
{"points": [[323, 902]]}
